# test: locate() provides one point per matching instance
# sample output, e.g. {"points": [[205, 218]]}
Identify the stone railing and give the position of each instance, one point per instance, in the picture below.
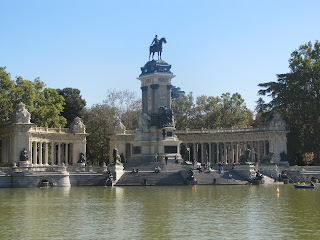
{"points": [[226, 130], [50, 130], [53, 169]]}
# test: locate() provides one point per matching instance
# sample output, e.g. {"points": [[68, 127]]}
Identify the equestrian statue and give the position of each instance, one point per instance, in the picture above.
{"points": [[156, 47]]}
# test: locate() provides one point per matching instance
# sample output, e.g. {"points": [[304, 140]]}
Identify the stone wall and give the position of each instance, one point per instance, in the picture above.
{"points": [[56, 179]]}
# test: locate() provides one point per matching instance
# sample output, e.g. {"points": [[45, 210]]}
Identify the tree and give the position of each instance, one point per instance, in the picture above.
{"points": [[44, 104], [99, 125], [126, 105], [176, 92], [74, 104], [182, 108], [210, 112], [296, 96], [264, 115], [6, 95]]}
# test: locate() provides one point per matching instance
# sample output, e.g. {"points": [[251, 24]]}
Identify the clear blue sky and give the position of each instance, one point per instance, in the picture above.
{"points": [[214, 47]]}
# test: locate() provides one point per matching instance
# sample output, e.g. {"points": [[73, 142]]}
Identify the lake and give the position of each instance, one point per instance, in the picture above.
{"points": [[173, 212]]}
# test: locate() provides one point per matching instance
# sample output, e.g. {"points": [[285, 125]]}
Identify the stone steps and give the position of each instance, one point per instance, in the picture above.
{"points": [[171, 166], [150, 178], [214, 177]]}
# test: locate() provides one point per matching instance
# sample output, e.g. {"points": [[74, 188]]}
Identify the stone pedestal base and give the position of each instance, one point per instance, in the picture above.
{"points": [[81, 167], [245, 171], [269, 170], [117, 171]]}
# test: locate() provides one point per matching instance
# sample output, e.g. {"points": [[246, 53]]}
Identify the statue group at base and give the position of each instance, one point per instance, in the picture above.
{"points": [[267, 159], [245, 158]]}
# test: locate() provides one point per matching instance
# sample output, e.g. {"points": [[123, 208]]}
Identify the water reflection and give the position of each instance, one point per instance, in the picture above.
{"points": [[219, 212]]}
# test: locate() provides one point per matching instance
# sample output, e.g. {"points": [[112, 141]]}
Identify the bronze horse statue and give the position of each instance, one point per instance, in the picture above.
{"points": [[157, 48]]}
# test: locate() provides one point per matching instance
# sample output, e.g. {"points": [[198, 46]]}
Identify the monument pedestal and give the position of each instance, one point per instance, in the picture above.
{"points": [[269, 170], [244, 170], [116, 170]]}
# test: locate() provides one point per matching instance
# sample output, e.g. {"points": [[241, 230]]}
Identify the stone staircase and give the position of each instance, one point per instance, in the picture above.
{"points": [[147, 178], [150, 166], [214, 177]]}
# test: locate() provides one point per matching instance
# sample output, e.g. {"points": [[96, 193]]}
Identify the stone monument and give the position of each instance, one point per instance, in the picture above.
{"points": [[156, 133]]}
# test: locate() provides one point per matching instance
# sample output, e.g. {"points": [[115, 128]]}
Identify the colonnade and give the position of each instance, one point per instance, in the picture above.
{"points": [[57, 152], [226, 152]]}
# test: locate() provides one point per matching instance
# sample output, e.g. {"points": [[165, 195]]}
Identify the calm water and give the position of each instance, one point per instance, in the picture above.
{"points": [[210, 212]]}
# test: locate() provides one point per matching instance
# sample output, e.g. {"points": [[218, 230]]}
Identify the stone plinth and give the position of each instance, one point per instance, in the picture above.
{"points": [[269, 170], [116, 170], [245, 170]]}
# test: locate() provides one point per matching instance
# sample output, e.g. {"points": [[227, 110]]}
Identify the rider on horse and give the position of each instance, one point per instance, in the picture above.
{"points": [[155, 41]]}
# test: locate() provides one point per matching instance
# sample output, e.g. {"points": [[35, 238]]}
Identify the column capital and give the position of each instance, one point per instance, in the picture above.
{"points": [[144, 88], [154, 86]]}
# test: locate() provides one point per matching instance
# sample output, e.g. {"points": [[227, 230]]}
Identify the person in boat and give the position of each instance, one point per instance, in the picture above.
{"points": [[312, 183]]}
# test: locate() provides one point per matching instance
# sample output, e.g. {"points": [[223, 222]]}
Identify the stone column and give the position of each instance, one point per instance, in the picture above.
{"points": [[252, 152], [210, 153], [218, 153], [195, 151], [46, 151], [264, 148], [52, 153], [144, 99], [59, 153], [258, 157], [232, 153], [34, 158], [225, 152], [169, 96], [237, 153], [202, 153], [66, 154], [155, 97], [40, 153], [31, 155]]}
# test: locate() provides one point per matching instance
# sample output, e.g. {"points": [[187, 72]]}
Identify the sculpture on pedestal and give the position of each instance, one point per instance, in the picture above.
{"points": [[267, 159], [77, 126], [156, 47], [144, 122], [162, 118], [82, 158], [245, 158], [116, 157], [21, 114], [24, 156], [118, 126]]}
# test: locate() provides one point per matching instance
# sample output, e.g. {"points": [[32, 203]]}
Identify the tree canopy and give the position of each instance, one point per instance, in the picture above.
{"points": [[74, 104], [210, 112], [296, 96], [44, 104]]}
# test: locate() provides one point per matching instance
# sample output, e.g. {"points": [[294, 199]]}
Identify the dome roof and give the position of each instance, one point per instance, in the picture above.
{"points": [[155, 66]]}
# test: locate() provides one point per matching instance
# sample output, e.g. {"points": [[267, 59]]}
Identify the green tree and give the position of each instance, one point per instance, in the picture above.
{"points": [[6, 95], [176, 92], [74, 104], [99, 125], [224, 112], [182, 108], [296, 96], [44, 104], [126, 105]]}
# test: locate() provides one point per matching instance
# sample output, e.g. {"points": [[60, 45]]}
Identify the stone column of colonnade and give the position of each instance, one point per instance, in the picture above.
{"points": [[60, 153], [227, 152]]}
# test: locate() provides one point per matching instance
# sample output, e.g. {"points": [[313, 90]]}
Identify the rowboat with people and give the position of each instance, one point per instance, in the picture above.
{"points": [[304, 185]]}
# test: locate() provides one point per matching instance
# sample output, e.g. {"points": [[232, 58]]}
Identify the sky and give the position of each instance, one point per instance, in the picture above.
{"points": [[214, 47]]}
